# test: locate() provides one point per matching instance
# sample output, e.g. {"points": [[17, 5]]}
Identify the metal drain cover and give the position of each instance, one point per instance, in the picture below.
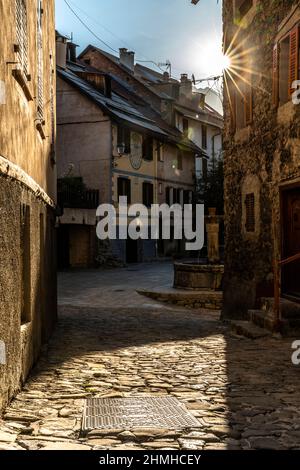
{"points": [[144, 412]]}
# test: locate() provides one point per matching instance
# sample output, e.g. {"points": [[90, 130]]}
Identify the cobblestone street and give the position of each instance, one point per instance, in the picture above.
{"points": [[110, 342]]}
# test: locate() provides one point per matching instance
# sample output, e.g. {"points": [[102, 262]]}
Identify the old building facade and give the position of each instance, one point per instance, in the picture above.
{"points": [[27, 187], [262, 152], [115, 144]]}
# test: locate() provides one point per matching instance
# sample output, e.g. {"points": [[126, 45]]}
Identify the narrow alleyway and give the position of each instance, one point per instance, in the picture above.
{"points": [[110, 342]]}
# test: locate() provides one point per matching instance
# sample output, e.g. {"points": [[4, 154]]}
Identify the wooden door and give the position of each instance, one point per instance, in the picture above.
{"points": [[291, 241]]}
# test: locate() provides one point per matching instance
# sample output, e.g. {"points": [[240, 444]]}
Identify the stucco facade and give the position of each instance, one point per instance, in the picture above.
{"points": [[27, 187], [262, 151]]}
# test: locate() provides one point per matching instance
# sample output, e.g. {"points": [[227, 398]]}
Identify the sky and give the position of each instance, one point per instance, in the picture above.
{"points": [[189, 36]]}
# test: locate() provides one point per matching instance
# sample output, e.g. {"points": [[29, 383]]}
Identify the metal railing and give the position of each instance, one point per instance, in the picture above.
{"points": [[75, 198]]}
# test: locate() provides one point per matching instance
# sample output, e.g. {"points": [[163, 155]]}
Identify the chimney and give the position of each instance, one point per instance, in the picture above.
{"points": [[61, 50], [127, 58], [71, 52], [186, 86]]}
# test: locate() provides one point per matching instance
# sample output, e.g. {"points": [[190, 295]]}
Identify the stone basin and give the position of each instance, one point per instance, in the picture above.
{"points": [[197, 276]]}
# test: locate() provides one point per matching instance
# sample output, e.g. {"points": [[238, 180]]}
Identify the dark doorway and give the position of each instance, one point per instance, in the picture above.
{"points": [[131, 251], [63, 247], [291, 241]]}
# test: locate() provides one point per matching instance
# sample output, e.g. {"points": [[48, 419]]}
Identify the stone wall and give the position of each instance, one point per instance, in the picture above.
{"points": [[261, 157], [23, 338], [27, 195]]}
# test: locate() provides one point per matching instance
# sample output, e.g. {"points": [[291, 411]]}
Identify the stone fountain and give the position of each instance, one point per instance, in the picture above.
{"points": [[206, 274]]}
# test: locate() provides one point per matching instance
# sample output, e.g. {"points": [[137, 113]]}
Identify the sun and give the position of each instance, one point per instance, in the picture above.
{"points": [[210, 58], [225, 62]]}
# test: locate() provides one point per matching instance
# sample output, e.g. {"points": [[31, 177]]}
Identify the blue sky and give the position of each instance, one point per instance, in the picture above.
{"points": [[189, 36]]}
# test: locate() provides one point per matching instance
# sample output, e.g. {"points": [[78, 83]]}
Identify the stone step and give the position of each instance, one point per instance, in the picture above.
{"points": [[249, 330], [262, 319], [289, 309], [200, 299]]}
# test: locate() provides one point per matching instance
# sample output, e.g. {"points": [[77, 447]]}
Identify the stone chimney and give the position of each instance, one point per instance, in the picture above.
{"points": [[127, 58], [71, 52], [186, 86], [61, 50]]}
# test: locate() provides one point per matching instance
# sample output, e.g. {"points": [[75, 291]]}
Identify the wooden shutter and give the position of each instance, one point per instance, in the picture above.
{"points": [[294, 58], [276, 74], [40, 65], [248, 104], [22, 35]]}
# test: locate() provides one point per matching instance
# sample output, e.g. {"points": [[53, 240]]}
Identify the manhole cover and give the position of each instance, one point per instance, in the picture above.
{"points": [[128, 413]]}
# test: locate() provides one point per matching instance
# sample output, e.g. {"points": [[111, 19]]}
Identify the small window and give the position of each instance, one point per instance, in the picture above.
{"points": [[124, 189], [242, 7], [147, 194], [40, 65], [243, 103], [185, 126], [124, 139], [250, 213], [148, 148], [179, 160], [160, 189], [204, 136], [22, 35]]}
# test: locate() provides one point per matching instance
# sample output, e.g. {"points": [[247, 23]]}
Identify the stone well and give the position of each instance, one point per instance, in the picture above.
{"points": [[196, 276]]}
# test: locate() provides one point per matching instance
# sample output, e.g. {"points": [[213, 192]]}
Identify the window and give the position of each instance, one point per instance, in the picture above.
{"points": [[286, 66], [243, 104], [124, 189], [185, 126], [124, 138], [40, 65], [147, 194], [204, 136], [160, 155], [242, 7], [21, 46], [25, 265], [179, 160], [250, 213], [160, 189], [148, 148], [52, 110]]}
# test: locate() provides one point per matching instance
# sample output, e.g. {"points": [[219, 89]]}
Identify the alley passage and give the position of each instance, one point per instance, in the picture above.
{"points": [[110, 342]]}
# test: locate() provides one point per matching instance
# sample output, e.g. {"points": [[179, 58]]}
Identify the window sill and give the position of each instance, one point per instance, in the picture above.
{"points": [[23, 82]]}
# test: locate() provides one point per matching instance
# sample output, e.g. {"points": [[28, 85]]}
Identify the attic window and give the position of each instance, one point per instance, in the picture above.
{"points": [[250, 213]]}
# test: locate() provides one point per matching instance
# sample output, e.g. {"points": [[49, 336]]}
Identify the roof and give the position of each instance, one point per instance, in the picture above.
{"points": [[122, 110]]}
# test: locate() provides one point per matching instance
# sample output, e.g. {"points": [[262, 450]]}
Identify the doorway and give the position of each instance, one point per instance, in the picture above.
{"points": [[131, 251], [291, 241]]}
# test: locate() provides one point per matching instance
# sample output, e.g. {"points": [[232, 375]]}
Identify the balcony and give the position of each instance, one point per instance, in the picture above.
{"points": [[72, 193]]}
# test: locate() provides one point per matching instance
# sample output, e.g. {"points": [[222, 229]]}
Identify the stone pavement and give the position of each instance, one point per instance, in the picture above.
{"points": [[244, 393]]}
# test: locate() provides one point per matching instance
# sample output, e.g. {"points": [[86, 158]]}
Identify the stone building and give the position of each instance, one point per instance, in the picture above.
{"points": [[262, 152], [112, 143], [27, 187], [178, 102]]}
